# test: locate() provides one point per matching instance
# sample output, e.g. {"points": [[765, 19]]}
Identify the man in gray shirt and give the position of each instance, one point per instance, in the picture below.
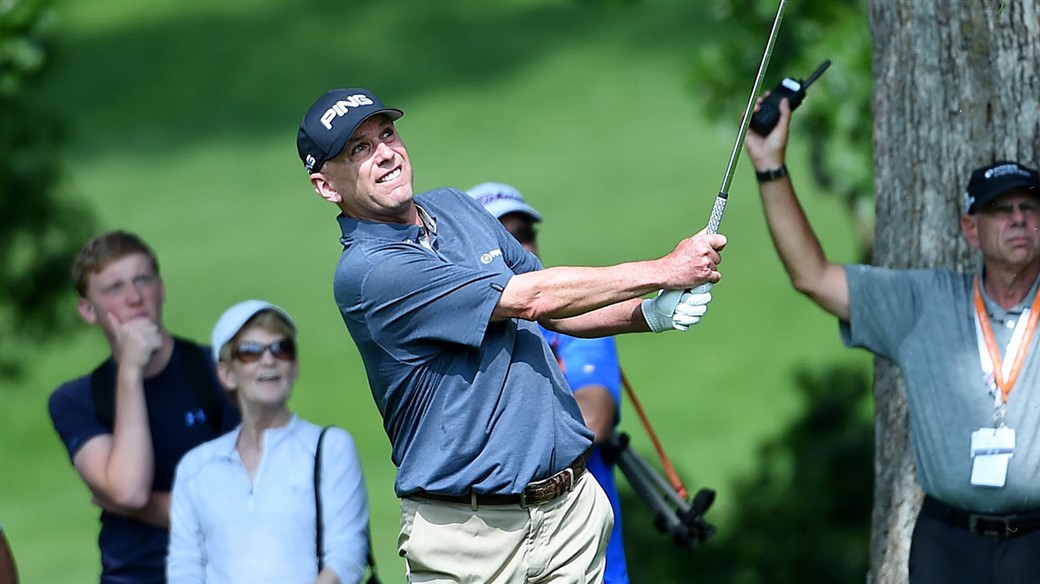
{"points": [[966, 347]]}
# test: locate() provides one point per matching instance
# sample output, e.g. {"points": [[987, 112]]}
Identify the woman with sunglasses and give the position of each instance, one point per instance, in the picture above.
{"points": [[244, 505]]}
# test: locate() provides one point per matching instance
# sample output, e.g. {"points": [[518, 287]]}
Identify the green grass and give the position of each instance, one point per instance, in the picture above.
{"points": [[183, 119]]}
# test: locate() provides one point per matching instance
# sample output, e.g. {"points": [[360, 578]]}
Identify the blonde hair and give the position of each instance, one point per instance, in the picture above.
{"points": [[268, 320]]}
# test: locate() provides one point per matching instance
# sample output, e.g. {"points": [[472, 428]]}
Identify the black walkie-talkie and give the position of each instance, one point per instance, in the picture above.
{"points": [[768, 115]]}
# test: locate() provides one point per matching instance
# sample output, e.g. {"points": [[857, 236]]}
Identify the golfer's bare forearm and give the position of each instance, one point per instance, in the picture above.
{"points": [[564, 292], [623, 317]]}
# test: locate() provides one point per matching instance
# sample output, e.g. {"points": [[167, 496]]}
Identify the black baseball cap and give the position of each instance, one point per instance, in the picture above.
{"points": [[991, 181], [331, 121]]}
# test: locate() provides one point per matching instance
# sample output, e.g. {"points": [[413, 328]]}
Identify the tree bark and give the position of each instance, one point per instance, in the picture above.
{"points": [[956, 87]]}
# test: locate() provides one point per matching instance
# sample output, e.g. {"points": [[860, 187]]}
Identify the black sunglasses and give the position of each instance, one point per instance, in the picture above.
{"points": [[251, 352], [524, 233]]}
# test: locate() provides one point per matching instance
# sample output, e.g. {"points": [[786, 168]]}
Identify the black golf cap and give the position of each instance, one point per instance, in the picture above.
{"points": [[331, 121], [991, 181]]}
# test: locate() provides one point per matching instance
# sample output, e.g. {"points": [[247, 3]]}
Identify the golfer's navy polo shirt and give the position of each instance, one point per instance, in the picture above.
{"points": [[467, 403]]}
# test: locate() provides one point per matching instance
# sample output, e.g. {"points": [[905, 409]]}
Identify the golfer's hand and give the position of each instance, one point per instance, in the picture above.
{"points": [[659, 310], [691, 307], [693, 262], [676, 309]]}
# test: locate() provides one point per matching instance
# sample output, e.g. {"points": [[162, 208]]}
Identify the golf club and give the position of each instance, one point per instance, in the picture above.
{"points": [[720, 201]]}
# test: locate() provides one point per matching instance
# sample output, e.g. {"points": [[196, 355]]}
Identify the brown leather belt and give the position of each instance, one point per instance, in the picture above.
{"points": [[998, 525], [535, 493]]}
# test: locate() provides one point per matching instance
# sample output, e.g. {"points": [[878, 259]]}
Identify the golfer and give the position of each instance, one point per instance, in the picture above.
{"points": [[444, 305]]}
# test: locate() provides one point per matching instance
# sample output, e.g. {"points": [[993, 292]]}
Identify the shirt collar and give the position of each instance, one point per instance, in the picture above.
{"points": [[998, 312], [271, 436], [358, 229], [428, 220]]}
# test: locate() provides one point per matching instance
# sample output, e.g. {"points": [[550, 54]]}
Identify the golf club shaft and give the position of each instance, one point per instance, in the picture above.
{"points": [[720, 200]]}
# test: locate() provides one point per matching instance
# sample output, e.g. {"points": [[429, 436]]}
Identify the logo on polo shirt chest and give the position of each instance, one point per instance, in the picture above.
{"points": [[490, 256], [340, 108]]}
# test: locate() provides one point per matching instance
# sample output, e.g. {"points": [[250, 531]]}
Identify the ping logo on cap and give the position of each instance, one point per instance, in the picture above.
{"points": [[340, 108]]}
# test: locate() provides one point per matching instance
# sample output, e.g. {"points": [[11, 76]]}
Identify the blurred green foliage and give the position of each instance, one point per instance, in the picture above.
{"points": [[41, 224], [803, 515]]}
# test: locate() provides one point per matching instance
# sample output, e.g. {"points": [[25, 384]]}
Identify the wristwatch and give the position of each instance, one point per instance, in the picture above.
{"points": [[771, 174]]}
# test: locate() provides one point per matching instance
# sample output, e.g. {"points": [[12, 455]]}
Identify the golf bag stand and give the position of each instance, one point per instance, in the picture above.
{"points": [[674, 516]]}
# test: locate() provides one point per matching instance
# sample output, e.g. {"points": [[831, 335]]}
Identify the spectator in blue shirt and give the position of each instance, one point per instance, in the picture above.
{"points": [[590, 365]]}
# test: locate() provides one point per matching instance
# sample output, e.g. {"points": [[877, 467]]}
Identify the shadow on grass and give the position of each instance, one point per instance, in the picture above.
{"points": [[198, 74]]}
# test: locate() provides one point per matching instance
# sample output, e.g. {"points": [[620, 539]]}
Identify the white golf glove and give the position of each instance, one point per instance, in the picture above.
{"points": [[676, 309], [692, 306]]}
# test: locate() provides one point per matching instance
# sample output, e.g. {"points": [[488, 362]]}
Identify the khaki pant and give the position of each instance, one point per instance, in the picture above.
{"points": [[563, 541]]}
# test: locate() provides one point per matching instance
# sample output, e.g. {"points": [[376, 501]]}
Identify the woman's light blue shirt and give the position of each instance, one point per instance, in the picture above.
{"points": [[225, 528]]}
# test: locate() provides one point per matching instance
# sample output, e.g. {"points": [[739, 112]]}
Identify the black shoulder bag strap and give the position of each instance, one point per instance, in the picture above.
{"points": [[199, 372], [373, 575], [196, 366]]}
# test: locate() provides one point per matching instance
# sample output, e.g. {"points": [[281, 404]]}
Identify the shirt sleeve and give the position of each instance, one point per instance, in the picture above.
{"points": [[185, 560], [345, 507], [884, 306], [72, 412], [414, 300], [519, 260]]}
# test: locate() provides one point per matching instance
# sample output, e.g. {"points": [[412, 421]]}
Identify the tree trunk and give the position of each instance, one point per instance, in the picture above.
{"points": [[956, 87]]}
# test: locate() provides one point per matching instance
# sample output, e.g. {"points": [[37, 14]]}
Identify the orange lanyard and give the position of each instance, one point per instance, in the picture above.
{"points": [[1019, 357]]}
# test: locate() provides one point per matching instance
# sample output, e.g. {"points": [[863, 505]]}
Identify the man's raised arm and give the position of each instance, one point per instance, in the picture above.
{"points": [[800, 251]]}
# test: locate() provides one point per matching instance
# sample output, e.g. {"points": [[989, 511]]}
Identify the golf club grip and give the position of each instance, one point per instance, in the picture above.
{"points": [[716, 213], [720, 201], [713, 227]]}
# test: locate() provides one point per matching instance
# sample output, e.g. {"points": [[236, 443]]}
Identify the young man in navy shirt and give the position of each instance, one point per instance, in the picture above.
{"points": [[126, 425]]}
